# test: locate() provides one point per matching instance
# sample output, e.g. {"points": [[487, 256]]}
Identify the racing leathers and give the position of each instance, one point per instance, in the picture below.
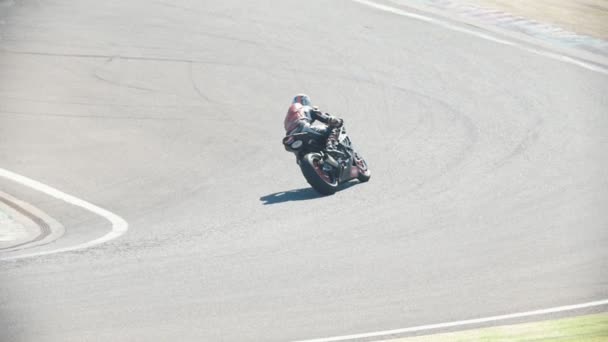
{"points": [[300, 119]]}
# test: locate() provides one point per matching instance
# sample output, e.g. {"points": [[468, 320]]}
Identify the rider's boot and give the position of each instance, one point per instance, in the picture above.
{"points": [[332, 141]]}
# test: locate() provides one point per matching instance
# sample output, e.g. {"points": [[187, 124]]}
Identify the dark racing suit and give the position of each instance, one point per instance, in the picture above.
{"points": [[300, 119]]}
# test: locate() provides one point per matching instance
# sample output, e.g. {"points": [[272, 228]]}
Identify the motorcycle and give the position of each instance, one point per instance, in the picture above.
{"points": [[326, 170]]}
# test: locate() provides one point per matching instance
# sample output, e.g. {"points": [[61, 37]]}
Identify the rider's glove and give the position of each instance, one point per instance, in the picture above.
{"points": [[335, 122], [316, 110]]}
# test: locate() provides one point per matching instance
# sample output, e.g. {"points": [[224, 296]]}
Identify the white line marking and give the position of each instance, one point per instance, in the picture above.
{"points": [[457, 28], [119, 225], [461, 323]]}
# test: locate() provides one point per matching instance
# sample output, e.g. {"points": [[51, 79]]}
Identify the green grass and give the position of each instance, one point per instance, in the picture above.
{"points": [[590, 328]]}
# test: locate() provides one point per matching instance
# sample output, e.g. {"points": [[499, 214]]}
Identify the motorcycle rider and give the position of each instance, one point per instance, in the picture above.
{"points": [[302, 114]]}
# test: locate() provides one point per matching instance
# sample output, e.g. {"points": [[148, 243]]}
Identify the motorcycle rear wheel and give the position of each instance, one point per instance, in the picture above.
{"points": [[321, 181]]}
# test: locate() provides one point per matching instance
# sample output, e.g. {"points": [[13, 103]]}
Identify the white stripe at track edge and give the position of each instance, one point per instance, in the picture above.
{"points": [[457, 28], [428, 327], [119, 225]]}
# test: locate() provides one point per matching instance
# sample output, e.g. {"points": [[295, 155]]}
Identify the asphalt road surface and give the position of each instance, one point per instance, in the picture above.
{"points": [[488, 196]]}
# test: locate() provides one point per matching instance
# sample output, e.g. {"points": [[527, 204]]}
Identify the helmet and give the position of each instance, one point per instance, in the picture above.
{"points": [[302, 99]]}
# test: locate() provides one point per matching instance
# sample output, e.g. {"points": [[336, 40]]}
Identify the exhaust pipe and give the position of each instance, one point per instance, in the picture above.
{"points": [[331, 161]]}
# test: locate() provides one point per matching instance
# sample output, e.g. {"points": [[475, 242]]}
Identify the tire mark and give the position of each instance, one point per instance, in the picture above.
{"points": [[531, 136], [117, 83], [471, 130], [205, 97], [76, 116]]}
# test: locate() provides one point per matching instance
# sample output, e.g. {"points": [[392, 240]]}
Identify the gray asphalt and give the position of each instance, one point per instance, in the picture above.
{"points": [[488, 194]]}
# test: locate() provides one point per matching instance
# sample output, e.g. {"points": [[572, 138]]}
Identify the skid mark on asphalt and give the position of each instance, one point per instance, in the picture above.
{"points": [[88, 116], [108, 78], [470, 138], [126, 57]]}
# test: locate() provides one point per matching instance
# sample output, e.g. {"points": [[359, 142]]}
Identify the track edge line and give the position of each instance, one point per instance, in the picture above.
{"points": [[119, 225]]}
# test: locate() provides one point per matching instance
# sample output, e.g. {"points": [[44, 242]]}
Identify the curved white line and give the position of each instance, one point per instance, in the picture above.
{"points": [[461, 323], [119, 225], [453, 27]]}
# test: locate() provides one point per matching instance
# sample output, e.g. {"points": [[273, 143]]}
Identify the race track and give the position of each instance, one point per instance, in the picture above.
{"points": [[488, 195]]}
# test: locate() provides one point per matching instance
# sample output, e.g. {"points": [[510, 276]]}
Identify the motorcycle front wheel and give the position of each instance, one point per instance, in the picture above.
{"points": [[364, 173]]}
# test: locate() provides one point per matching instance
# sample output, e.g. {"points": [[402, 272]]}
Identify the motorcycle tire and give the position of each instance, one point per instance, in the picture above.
{"points": [[364, 173], [323, 183]]}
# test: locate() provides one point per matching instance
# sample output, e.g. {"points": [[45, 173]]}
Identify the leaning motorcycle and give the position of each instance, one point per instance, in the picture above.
{"points": [[326, 170]]}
